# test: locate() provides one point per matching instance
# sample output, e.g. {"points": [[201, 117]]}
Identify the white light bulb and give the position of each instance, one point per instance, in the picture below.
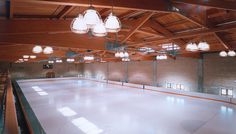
{"points": [[48, 50], [231, 53], [78, 25], [126, 55], [25, 56], [32, 56], [91, 17], [122, 55], [99, 30], [192, 47], [203, 46], [117, 54], [112, 24], [223, 54], [37, 49]]}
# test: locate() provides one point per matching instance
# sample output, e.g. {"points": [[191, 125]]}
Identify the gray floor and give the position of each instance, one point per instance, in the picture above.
{"points": [[86, 107]]}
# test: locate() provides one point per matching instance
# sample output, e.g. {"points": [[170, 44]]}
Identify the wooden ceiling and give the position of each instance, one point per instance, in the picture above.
{"points": [[25, 23]]}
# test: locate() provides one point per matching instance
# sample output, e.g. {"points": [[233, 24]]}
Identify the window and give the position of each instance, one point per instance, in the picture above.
{"points": [[177, 86], [223, 91], [230, 92], [226, 92], [180, 86], [168, 85]]}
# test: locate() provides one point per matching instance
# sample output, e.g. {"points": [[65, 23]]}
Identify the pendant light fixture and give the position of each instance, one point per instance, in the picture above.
{"points": [[231, 53], [117, 54], [203, 46], [37, 49], [78, 25], [25, 56], [48, 50], [99, 30], [91, 16], [223, 54], [33, 56], [112, 22], [58, 61], [192, 47], [161, 57]]}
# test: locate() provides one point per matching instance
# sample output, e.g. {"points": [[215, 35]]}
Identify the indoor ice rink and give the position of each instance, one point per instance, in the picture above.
{"points": [[117, 66]]}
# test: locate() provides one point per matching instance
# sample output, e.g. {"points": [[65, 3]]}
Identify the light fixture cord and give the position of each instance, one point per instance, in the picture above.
{"points": [[90, 2], [112, 6]]}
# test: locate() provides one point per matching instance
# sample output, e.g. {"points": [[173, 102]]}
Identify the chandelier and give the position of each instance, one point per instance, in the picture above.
{"points": [[122, 55], [230, 53], [201, 46], [91, 21]]}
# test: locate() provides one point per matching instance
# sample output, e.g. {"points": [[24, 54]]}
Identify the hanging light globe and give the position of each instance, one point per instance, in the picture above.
{"points": [[192, 47], [203, 46], [223, 54], [112, 23], [78, 25], [48, 50], [117, 54], [33, 56], [231, 53], [25, 56], [37, 49], [91, 17], [122, 55], [99, 30], [126, 55]]}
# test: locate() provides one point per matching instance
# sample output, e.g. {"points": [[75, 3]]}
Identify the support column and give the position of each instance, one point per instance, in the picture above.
{"points": [[154, 73], [126, 71], [107, 71], [200, 73]]}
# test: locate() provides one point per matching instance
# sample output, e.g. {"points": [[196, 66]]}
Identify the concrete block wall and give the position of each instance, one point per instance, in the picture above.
{"points": [[35, 70], [219, 73], [140, 72], [95, 70], [116, 71], [181, 71]]}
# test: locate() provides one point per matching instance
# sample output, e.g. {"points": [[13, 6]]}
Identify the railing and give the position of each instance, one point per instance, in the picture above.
{"points": [[33, 123], [10, 117]]}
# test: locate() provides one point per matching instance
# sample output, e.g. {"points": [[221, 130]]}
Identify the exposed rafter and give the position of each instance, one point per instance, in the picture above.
{"points": [[221, 4], [192, 34], [137, 25], [222, 41], [157, 5], [64, 12], [159, 28]]}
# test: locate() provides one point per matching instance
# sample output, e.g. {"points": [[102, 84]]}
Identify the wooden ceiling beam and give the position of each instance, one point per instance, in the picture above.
{"points": [[137, 25], [157, 5], [222, 41], [220, 4], [226, 27], [64, 12], [159, 28], [70, 40]]}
